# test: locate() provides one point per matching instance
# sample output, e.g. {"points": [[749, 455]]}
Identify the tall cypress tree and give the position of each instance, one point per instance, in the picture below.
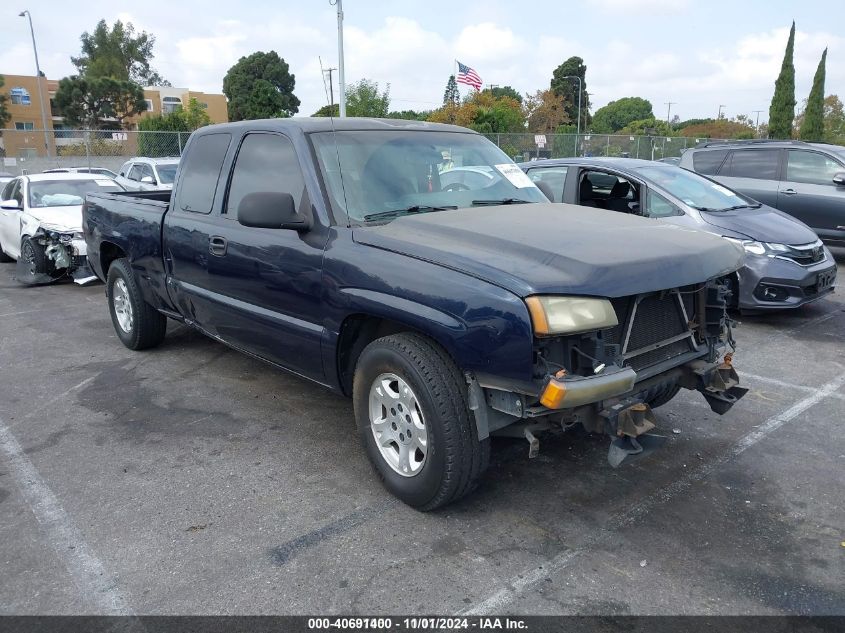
{"points": [[782, 110], [451, 95], [812, 127]]}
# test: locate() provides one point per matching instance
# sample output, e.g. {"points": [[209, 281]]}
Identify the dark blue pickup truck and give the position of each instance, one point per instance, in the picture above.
{"points": [[414, 267]]}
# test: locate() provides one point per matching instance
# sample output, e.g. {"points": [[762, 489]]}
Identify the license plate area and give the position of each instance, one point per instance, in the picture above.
{"points": [[825, 280]]}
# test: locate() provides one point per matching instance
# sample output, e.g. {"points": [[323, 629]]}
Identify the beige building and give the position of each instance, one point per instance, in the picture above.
{"points": [[28, 141]]}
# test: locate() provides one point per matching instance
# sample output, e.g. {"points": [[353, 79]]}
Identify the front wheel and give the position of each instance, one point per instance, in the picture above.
{"points": [[412, 415], [33, 254], [138, 325]]}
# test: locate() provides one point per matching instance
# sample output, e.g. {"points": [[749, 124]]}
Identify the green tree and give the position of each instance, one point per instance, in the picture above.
{"points": [[363, 99], [153, 142], [648, 127], [410, 115], [260, 86], [4, 111], [812, 127], [98, 103], [504, 91], [618, 114], [328, 110], [782, 109], [834, 120], [568, 89], [484, 113], [545, 111], [118, 52], [451, 94]]}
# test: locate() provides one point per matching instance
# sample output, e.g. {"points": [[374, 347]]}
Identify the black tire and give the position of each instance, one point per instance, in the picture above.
{"points": [[146, 326], [663, 395], [456, 459], [36, 259]]}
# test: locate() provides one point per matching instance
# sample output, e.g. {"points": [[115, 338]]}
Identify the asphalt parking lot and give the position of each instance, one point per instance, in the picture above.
{"points": [[191, 479]]}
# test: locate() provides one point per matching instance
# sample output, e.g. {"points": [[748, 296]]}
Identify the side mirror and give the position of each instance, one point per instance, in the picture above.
{"points": [[839, 178], [270, 210], [635, 208], [148, 180], [10, 205]]}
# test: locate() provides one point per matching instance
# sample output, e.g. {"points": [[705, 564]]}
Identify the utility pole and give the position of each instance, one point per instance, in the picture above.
{"points": [[331, 87], [719, 116], [757, 123], [669, 111], [27, 14], [341, 87]]}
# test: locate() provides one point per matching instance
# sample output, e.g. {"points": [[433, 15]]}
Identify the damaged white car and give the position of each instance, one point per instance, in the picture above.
{"points": [[41, 225]]}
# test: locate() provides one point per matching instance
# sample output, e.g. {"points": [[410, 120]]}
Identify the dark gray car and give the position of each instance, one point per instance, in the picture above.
{"points": [[805, 180], [786, 264]]}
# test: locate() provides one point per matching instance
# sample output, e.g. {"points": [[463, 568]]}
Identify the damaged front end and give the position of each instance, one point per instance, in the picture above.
{"points": [[608, 380], [53, 253]]}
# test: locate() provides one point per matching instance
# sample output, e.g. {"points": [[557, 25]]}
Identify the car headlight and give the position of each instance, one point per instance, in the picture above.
{"points": [[760, 248], [569, 315]]}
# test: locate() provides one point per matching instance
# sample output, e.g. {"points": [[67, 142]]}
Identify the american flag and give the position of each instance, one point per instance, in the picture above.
{"points": [[468, 76]]}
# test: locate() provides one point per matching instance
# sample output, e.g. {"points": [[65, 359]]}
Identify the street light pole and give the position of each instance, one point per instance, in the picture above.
{"points": [[669, 111], [719, 116], [340, 76], [757, 123], [38, 82]]}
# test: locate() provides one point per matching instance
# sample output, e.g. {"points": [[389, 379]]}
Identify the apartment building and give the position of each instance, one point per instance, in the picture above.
{"points": [[28, 139]]}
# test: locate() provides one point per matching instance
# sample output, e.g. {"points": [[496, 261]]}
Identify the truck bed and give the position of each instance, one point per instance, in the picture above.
{"points": [[128, 224]]}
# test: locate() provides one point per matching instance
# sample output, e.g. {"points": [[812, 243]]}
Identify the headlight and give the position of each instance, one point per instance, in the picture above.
{"points": [[759, 248], [569, 315]]}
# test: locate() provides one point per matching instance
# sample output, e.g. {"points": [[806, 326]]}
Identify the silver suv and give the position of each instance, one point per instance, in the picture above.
{"points": [[148, 174], [805, 180]]}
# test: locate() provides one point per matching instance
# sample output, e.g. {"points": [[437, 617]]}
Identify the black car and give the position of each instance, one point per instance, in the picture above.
{"points": [[805, 180], [786, 264]]}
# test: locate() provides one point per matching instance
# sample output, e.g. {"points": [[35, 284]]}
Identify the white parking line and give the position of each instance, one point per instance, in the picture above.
{"points": [[517, 585], [786, 385], [99, 591]]}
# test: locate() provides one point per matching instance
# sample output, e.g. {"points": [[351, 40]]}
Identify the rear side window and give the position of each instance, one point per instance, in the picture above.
{"points": [[266, 162], [201, 172], [708, 162], [752, 163], [811, 167]]}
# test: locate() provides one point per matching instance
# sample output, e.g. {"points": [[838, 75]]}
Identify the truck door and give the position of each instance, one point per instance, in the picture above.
{"points": [[261, 289]]}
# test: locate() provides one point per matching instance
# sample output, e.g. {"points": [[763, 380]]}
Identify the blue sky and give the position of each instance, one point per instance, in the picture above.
{"points": [[697, 54]]}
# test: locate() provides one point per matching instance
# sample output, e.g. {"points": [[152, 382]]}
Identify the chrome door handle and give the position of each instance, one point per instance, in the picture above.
{"points": [[217, 245], [789, 192]]}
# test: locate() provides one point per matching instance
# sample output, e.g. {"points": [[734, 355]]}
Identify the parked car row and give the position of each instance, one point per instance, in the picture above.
{"points": [[41, 217]]}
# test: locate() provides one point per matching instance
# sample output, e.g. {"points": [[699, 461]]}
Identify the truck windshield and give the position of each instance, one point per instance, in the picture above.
{"points": [[697, 192], [376, 175]]}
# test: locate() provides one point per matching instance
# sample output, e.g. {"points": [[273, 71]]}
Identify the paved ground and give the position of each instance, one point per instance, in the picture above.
{"points": [[192, 479]]}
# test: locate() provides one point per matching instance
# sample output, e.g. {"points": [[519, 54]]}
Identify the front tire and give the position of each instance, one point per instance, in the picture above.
{"points": [[138, 325], [663, 395], [412, 415], [36, 259]]}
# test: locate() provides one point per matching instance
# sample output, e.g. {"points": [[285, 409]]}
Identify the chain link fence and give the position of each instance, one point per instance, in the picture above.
{"points": [[523, 147], [33, 151]]}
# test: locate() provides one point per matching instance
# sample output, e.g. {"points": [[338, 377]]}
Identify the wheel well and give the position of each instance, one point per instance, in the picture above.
{"points": [[108, 253], [356, 332]]}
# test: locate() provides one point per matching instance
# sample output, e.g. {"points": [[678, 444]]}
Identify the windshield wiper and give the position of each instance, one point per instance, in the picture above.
{"points": [[395, 213], [480, 203], [733, 208]]}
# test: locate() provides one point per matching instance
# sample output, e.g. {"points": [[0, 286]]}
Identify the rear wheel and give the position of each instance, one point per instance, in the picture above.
{"points": [[412, 415], [138, 325]]}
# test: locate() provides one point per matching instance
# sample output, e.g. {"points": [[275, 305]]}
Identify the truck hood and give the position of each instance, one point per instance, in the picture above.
{"points": [[65, 218], [559, 248], [763, 225]]}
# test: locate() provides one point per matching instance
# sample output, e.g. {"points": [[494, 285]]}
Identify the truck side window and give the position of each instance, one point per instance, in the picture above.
{"points": [[201, 172], [135, 172], [265, 162]]}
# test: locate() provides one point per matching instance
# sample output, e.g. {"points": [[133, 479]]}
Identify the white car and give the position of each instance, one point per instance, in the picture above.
{"points": [[148, 174], [41, 224], [97, 171]]}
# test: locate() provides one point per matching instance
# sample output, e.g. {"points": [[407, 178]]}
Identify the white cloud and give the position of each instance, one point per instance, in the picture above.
{"points": [[640, 7]]}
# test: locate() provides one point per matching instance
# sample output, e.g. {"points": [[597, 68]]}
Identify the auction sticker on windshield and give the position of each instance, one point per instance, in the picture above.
{"points": [[515, 175]]}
